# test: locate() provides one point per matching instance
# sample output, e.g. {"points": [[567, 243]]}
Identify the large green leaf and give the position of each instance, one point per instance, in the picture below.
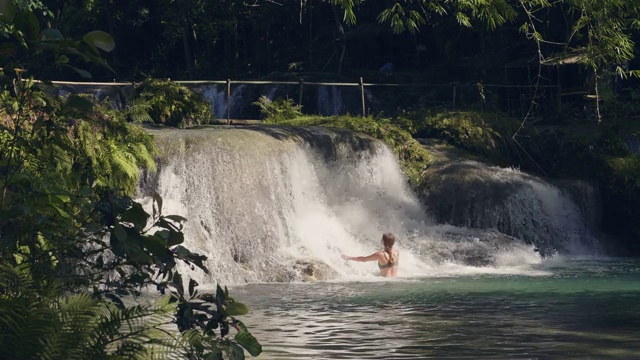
{"points": [[237, 352], [136, 215], [155, 244], [28, 23], [249, 342], [175, 238], [99, 39], [7, 11], [236, 308], [84, 73]]}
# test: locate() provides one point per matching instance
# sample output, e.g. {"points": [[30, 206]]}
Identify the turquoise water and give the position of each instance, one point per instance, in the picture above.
{"points": [[582, 309]]}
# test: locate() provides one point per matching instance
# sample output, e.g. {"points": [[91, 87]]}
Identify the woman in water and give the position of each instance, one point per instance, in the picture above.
{"points": [[387, 259]]}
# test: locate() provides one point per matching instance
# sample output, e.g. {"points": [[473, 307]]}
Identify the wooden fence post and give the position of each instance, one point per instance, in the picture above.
{"points": [[228, 101], [300, 93], [364, 113]]}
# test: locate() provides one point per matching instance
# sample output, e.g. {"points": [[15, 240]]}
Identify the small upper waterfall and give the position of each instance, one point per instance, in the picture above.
{"points": [[270, 203], [318, 99], [329, 101], [217, 96]]}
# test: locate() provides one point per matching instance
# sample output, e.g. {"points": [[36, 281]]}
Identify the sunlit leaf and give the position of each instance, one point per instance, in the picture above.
{"points": [[249, 342], [61, 212], [236, 308], [84, 73], [100, 39]]}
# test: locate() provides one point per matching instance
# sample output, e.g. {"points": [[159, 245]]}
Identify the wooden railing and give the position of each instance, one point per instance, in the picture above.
{"points": [[454, 86]]}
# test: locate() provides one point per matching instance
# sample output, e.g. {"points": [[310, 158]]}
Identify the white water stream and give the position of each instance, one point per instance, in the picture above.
{"points": [[264, 204]]}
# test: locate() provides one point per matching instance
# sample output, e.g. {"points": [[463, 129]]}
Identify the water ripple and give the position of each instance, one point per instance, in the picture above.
{"points": [[481, 317]]}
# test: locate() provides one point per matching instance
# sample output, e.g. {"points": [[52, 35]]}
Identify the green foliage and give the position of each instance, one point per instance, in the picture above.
{"points": [[414, 158], [413, 14], [68, 225], [39, 323], [601, 31], [26, 45], [278, 110], [173, 104], [486, 134], [621, 176]]}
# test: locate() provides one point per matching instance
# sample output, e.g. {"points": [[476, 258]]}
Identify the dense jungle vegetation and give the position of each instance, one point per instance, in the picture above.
{"points": [[74, 246], [73, 243]]}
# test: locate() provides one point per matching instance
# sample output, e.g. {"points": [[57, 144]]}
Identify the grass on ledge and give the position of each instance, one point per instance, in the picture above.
{"points": [[413, 157]]}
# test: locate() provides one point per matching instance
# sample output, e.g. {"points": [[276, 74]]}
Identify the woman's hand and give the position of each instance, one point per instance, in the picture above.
{"points": [[345, 257]]}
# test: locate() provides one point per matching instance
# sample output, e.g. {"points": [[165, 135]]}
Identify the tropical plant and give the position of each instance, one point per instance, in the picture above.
{"points": [[173, 104], [279, 109], [68, 167]]}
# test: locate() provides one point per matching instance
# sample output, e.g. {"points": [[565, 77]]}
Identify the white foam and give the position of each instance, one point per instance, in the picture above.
{"points": [[257, 206]]}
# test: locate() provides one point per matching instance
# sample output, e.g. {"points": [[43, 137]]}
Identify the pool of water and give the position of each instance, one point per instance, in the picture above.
{"points": [[570, 309]]}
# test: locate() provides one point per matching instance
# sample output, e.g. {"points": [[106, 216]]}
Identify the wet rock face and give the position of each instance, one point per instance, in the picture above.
{"points": [[470, 193], [464, 194], [311, 270]]}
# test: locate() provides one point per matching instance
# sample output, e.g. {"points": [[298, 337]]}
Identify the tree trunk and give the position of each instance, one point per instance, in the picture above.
{"points": [[188, 56], [343, 40], [112, 30]]}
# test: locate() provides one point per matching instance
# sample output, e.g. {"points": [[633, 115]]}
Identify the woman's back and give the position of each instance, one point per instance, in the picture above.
{"points": [[390, 267]]}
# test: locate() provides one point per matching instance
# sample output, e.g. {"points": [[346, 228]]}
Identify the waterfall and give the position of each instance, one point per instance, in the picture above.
{"points": [[278, 204], [271, 92], [329, 101], [473, 194], [217, 96]]}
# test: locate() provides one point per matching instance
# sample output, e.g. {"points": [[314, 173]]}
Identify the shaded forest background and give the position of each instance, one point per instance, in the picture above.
{"points": [[196, 39]]}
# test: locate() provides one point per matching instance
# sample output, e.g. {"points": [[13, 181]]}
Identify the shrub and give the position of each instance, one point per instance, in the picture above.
{"points": [[173, 104], [279, 109]]}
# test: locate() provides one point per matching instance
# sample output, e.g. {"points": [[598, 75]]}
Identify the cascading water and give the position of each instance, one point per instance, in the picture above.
{"points": [[274, 204], [473, 194], [329, 101], [217, 96]]}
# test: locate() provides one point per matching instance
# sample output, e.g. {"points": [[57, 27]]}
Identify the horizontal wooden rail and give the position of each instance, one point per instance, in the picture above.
{"points": [[454, 86], [269, 82]]}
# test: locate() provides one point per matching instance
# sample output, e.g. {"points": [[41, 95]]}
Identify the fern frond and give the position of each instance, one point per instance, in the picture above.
{"points": [[123, 161], [138, 111]]}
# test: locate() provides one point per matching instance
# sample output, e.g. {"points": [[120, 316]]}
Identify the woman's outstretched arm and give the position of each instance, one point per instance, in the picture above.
{"points": [[373, 257]]}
